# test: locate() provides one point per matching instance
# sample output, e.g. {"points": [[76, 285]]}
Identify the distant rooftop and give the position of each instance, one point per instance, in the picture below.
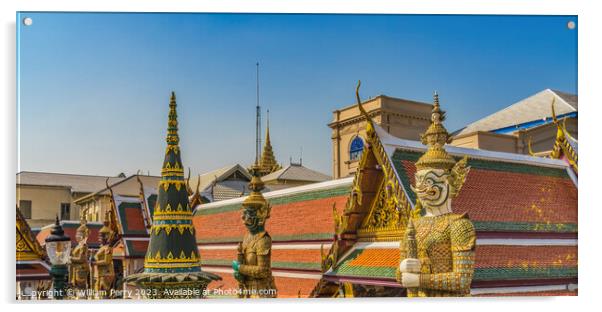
{"points": [[125, 187], [218, 175], [79, 183], [296, 172], [521, 114]]}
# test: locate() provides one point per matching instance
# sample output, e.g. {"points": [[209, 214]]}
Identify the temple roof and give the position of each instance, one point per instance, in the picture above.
{"points": [[27, 246], [30, 256], [301, 224], [524, 209], [524, 113], [375, 263], [296, 172], [220, 221], [223, 183]]}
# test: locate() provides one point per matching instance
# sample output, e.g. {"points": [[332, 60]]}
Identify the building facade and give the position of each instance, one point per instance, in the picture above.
{"points": [[525, 127], [402, 118], [42, 196]]}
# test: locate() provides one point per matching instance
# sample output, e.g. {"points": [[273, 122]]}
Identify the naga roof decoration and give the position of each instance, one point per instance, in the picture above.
{"points": [[145, 198], [111, 217], [565, 145], [172, 256], [528, 240]]}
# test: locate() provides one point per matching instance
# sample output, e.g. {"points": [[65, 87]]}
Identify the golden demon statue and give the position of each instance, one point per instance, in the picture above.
{"points": [[80, 269], [252, 269], [104, 273], [437, 251]]}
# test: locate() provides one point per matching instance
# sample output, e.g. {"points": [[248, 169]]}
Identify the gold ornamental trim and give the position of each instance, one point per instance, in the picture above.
{"points": [[182, 258], [170, 227]]}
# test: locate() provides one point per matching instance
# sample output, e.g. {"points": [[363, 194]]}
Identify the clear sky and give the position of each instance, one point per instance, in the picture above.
{"points": [[94, 87]]}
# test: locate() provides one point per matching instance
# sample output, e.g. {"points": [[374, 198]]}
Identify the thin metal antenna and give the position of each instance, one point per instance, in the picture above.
{"points": [[257, 123]]}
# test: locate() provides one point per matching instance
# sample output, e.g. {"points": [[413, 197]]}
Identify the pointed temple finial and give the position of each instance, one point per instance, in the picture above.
{"points": [[359, 101], [435, 137], [172, 122], [267, 162], [267, 129], [112, 207], [172, 247], [369, 124], [554, 118]]}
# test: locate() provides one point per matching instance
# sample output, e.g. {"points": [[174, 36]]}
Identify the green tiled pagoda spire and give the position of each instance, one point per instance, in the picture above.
{"points": [[172, 259]]}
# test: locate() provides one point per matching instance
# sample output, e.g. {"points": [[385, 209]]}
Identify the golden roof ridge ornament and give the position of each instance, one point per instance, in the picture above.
{"points": [[112, 214], [148, 220], [369, 122], [529, 147], [561, 144], [561, 126]]}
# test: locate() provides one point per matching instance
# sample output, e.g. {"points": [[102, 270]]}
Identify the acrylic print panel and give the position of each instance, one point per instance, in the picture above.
{"points": [[208, 156]]}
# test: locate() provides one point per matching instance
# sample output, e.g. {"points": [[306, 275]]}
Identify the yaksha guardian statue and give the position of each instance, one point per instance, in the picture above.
{"points": [[252, 269], [104, 273], [437, 252], [79, 270]]}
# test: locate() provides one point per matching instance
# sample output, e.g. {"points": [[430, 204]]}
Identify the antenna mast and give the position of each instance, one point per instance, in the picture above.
{"points": [[257, 123]]}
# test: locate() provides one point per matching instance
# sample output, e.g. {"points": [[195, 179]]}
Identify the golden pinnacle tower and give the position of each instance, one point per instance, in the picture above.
{"points": [[172, 267], [268, 163]]}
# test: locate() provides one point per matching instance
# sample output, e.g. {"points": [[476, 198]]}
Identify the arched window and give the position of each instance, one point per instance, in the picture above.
{"points": [[356, 148]]}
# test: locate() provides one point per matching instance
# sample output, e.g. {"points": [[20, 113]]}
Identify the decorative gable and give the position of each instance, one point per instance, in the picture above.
{"points": [[27, 247]]}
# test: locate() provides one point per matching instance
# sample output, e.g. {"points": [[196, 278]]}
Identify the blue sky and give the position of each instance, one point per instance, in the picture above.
{"points": [[94, 87]]}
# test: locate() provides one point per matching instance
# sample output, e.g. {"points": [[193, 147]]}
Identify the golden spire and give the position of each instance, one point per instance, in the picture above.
{"points": [[268, 163], [172, 122], [267, 130], [435, 137]]}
